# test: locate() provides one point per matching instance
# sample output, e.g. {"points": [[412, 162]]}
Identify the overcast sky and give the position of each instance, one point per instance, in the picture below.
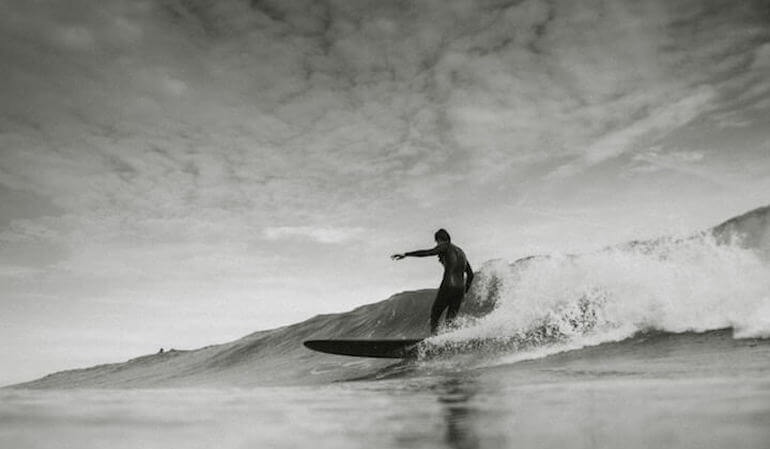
{"points": [[181, 173]]}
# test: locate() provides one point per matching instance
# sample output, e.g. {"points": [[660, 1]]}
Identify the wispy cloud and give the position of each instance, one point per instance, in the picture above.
{"points": [[318, 234], [653, 125], [761, 58]]}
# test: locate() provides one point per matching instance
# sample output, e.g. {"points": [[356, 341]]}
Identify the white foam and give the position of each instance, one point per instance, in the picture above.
{"points": [[673, 285]]}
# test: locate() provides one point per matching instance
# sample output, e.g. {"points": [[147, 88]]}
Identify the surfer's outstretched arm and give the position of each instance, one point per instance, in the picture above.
{"points": [[468, 276], [419, 253]]}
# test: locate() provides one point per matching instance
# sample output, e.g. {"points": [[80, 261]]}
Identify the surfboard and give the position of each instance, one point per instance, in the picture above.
{"points": [[386, 349]]}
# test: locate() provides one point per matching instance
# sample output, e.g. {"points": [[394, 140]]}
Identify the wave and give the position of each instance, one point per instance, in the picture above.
{"points": [[652, 354], [528, 309], [713, 280]]}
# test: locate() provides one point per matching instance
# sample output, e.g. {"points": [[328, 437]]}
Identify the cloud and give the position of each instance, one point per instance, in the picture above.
{"points": [[194, 121], [656, 159], [655, 155], [762, 58], [353, 95], [77, 38], [690, 163], [318, 234], [654, 125], [209, 112]]}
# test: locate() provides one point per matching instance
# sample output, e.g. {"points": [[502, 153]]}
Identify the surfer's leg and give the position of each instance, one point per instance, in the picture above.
{"points": [[435, 312], [454, 303]]}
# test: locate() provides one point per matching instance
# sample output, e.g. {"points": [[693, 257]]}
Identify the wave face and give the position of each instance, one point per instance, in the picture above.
{"points": [[272, 357], [522, 310], [714, 280]]}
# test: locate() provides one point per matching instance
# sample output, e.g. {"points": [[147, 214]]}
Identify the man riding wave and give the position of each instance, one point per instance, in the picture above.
{"points": [[457, 279]]}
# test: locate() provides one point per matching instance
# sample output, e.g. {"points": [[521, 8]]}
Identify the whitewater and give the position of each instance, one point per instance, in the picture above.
{"points": [[658, 343], [558, 302]]}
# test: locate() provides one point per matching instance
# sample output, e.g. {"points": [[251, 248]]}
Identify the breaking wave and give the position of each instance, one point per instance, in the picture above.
{"points": [[715, 280]]}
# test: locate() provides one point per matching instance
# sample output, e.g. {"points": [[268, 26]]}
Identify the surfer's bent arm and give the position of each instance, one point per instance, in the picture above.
{"points": [[468, 276]]}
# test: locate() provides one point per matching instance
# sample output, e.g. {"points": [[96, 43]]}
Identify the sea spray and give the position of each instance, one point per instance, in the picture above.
{"points": [[542, 304]]}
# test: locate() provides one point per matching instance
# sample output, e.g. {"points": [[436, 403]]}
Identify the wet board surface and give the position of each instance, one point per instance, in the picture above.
{"points": [[389, 349]]}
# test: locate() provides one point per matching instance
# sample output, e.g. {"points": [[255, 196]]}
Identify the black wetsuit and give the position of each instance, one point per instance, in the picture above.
{"points": [[449, 298], [453, 285]]}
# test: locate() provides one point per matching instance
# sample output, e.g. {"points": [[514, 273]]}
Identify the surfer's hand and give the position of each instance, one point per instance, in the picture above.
{"points": [[397, 256]]}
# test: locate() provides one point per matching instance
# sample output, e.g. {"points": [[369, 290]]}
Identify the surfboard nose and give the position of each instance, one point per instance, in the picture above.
{"points": [[391, 349]]}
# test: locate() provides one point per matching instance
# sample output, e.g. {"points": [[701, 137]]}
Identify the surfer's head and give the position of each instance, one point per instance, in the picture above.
{"points": [[442, 236]]}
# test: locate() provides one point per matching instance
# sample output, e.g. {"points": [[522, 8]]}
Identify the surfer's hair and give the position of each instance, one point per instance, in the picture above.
{"points": [[442, 236]]}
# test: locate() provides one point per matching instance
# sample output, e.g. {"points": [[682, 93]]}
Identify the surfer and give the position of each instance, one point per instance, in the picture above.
{"points": [[457, 279]]}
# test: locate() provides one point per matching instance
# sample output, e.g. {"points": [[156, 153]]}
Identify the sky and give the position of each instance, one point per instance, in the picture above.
{"points": [[178, 173]]}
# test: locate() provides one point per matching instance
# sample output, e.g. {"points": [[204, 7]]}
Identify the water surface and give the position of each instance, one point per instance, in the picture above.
{"points": [[461, 410]]}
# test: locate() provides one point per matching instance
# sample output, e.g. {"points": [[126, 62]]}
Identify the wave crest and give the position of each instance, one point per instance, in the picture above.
{"points": [[675, 285]]}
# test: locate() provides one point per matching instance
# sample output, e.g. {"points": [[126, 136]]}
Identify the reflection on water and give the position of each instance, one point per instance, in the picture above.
{"points": [[455, 394], [457, 411]]}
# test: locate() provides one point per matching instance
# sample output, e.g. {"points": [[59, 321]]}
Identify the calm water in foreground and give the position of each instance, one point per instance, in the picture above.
{"points": [[446, 411]]}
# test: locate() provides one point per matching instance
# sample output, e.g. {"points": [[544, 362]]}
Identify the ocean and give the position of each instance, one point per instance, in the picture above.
{"points": [[672, 391], [650, 344]]}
